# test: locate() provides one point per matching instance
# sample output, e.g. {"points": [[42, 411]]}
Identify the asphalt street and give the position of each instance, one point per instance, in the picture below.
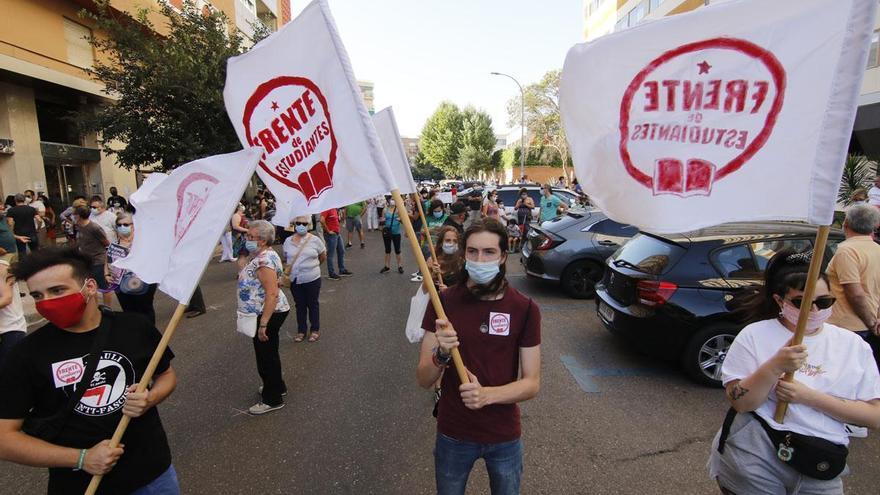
{"points": [[607, 420]]}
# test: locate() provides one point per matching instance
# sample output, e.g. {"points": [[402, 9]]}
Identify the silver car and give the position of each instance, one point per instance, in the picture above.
{"points": [[571, 249]]}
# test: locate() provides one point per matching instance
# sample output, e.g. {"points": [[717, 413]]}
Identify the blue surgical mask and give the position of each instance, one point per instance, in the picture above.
{"points": [[94, 211], [301, 229], [482, 272], [123, 229], [251, 246], [438, 214], [450, 248]]}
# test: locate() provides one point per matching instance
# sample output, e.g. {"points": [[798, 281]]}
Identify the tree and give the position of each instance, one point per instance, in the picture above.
{"points": [[858, 173], [542, 117], [440, 140], [170, 87], [477, 142], [423, 169]]}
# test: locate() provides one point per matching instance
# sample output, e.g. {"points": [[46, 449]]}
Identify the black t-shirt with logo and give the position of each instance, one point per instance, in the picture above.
{"points": [[39, 375], [117, 202], [23, 215]]}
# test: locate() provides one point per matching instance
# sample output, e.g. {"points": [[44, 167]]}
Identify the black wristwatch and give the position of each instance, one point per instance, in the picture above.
{"points": [[442, 359]]}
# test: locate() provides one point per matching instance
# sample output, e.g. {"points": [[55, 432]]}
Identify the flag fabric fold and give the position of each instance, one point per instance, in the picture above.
{"points": [[389, 136], [180, 217], [295, 96], [727, 113]]}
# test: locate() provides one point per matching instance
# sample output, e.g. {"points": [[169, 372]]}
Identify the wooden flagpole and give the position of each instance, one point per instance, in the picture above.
{"points": [[142, 385], [806, 305], [426, 273], [418, 201]]}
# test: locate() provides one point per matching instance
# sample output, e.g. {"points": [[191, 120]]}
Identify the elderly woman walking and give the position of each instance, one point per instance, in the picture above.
{"points": [[305, 253], [259, 294], [134, 295]]}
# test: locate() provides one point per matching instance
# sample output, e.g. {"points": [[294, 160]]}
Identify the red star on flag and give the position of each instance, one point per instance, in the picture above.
{"points": [[704, 67], [275, 104]]}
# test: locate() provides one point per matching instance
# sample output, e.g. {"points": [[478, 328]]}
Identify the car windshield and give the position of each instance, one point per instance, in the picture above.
{"points": [[509, 196], [648, 254]]}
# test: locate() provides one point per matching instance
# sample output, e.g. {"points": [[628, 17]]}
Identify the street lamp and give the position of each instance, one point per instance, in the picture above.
{"points": [[522, 124]]}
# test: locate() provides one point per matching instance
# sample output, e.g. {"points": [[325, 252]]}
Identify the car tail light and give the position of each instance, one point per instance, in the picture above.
{"points": [[655, 292], [545, 242]]}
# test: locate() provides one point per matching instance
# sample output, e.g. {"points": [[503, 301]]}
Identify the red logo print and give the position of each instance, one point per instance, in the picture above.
{"points": [[69, 372], [698, 113], [288, 117], [192, 193]]}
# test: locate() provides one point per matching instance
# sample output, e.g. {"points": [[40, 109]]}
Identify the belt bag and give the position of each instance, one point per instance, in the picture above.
{"points": [[811, 456]]}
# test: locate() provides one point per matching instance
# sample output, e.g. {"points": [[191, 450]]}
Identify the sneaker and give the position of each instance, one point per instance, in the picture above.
{"points": [[362, 245], [417, 278], [282, 393], [384, 270], [345, 273], [856, 431], [415, 274], [348, 245], [334, 277], [399, 269], [260, 408]]}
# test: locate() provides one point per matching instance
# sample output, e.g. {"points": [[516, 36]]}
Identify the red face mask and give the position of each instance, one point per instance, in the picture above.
{"points": [[65, 311]]}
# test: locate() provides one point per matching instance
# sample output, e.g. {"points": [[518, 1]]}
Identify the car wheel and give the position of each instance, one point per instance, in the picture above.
{"points": [[705, 353], [579, 279]]}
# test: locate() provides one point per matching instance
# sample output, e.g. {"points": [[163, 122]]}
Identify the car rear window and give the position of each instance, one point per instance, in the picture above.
{"points": [[648, 254], [509, 196]]}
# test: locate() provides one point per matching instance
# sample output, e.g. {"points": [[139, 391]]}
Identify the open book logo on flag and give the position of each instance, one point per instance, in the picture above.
{"points": [[698, 113], [288, 117], [192, 194]]}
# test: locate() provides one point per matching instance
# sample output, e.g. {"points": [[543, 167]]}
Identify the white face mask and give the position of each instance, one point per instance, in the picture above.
{"points": [[450, 247]]}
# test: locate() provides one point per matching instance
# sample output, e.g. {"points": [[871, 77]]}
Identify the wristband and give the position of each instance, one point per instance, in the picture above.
{"points": [[82, 459], [440, 360]]}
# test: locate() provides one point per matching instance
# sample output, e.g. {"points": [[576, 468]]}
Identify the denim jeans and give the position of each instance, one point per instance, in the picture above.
{"points": [[334, 245], [164, 484], [305, 296], [454, 459]]}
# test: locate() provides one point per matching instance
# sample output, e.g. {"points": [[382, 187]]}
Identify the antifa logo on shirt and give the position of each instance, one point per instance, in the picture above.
{"points": [[107, 389]]}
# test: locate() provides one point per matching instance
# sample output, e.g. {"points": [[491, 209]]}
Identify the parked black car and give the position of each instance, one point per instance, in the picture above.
{"points": [[571, 249], [671, 295]]}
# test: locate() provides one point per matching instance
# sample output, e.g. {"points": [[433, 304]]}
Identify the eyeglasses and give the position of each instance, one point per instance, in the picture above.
{"points": [[824, 302], [304, 224], [123, 225]]}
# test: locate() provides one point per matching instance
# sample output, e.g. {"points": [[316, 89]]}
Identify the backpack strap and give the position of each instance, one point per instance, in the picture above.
{"points": [[725, 429]]}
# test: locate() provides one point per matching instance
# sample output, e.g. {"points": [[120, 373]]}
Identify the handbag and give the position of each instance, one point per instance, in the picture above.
{"points": [[246, 324], [386, 229], [50, 427], [811, 456]]}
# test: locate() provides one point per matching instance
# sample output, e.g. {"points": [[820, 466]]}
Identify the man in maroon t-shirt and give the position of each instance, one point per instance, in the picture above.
{"points": [[330, 224], [500, 334]]}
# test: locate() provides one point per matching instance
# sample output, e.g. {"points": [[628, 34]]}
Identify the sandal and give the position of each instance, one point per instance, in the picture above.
{"points": [[299, 337], [314, 337]]}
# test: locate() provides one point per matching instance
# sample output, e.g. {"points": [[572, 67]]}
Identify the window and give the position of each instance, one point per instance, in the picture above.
{"points": [[621, 24], [874, 54], [610, 227], [653, 4], [736, 262], [79, 47], [637, 13], [765, 250]]}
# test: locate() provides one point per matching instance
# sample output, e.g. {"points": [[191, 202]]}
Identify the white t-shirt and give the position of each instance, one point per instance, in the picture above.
{"points": [[106, 221], [840, 364], [12, 315], [874, 196], [308, 266]]}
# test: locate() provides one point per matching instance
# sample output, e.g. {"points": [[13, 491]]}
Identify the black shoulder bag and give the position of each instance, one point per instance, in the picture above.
{"points": [[50, 427], [811, 456]]}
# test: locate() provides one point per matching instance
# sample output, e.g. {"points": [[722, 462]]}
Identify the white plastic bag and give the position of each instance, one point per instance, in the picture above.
{"points": [[246, 324], [417, 306]]}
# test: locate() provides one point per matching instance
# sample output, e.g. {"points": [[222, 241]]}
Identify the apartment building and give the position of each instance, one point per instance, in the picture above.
{"points": [[866, 132], [43, 57]]}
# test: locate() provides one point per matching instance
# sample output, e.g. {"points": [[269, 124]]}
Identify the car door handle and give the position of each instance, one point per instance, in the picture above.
{"points": [[606, 243]]}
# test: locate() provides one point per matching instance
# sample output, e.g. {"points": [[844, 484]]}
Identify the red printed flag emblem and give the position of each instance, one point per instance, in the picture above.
{"points": [[288, 117], [691, 117], [192, 194]]}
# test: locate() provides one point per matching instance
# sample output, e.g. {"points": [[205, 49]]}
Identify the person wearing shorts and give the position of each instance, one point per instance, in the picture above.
{"points": [[92, 242], [391, 235], [354, 214]]}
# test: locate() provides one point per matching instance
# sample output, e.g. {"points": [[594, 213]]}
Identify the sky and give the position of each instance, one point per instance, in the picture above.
{"points": [[419, 53]]}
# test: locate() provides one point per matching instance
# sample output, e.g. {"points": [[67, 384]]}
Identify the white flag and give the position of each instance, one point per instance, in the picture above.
{"points": [[737, 111], [294, 95], [389, 136], [180, 216]]}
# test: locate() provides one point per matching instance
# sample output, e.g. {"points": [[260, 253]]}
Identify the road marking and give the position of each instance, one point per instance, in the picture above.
{"points": [[239, 412], [582, 375]]}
